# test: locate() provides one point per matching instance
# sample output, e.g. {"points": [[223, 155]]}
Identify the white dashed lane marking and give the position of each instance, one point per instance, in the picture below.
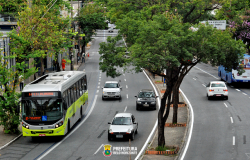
{"points": [[225, 104], [97, 91], [127, 95], [194, 79], [126, 86], [204, 85], [124, 79], [232, 121]]}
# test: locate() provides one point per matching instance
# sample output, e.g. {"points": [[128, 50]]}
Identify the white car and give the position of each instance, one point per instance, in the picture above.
{"points": [[111, 29], [111, 89], [123, 125], [217, 89]]}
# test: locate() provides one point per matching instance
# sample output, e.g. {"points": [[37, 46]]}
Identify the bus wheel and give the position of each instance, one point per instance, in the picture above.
{"points": [[80, 118]]}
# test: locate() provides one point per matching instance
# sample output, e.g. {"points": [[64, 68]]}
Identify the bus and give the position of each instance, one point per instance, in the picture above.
{"points": [[233, 76], [52, 104]]}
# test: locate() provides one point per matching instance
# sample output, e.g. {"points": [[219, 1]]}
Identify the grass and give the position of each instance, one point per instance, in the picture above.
{"points": [[161, 148]]}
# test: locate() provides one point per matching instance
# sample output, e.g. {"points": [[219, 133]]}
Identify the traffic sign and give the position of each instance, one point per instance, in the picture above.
{"points": [[219, 24]]}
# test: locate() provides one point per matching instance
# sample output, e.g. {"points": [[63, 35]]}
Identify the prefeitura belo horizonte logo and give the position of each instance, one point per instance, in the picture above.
{"points": [[107, 150]]}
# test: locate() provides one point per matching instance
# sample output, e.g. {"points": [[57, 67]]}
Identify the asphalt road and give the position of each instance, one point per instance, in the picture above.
{"points": [[221, 127], [86, 140]]}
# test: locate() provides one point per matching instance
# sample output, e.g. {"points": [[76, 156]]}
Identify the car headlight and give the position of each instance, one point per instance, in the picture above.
{"points": [[138, 102], [110, 131], [117, 93], [129, 131], [59, 124], [104, 92], [152, 102]]}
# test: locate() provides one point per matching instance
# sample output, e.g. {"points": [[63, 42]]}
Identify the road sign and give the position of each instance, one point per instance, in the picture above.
{"points": [[219, 24]]}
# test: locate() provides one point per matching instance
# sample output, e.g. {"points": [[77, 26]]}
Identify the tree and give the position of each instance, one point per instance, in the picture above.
{"points": [[91, 18], [12, 7], [166, 43]]}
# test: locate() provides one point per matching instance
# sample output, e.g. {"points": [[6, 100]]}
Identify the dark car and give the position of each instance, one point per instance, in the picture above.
{"points": [[146, 98]]}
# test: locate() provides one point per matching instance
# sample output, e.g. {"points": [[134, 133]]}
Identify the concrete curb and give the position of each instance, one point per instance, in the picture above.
{"points": [[10, 142]]}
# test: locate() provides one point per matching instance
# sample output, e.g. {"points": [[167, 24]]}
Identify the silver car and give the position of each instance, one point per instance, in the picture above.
{"points": [[111, 89], [123, 125]]}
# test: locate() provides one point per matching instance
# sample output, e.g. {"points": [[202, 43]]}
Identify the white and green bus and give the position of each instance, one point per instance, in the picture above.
{"points": [[52, 104]]}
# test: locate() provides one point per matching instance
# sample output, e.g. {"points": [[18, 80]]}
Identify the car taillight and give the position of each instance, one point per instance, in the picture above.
{"points": [[111, 132], [225, 90], [210, 90]]}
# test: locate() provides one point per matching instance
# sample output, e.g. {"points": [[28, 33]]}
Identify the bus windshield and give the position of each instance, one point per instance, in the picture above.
{"points": [[42, 109]]}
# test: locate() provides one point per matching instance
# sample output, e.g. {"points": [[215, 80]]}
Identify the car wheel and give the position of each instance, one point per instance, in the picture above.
{"points": [[208, 97], [136, 131], [109, 138], [132, 136], [103, 99], [155, 108], [226, 98]]}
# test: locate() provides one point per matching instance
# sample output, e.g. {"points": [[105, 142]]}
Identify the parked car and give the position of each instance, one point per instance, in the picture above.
{"points": [[146, 98], [111, 89], [217, 89], [123, 125]]}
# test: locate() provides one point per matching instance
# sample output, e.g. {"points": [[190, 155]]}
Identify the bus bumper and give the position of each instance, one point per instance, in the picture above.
{"points": [[46, 132]]}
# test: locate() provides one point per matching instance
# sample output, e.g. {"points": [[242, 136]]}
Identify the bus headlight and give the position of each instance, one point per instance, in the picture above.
{"points": [[25, 125], [59, 124]]}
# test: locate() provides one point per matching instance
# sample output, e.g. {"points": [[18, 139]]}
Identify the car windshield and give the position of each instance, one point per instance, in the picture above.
{"points": [[122, 121], [42, 109], [146, 95], [111, 85], [217, 85]]}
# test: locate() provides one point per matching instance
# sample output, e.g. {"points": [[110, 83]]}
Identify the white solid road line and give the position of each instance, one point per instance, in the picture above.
{"points": [[207, 72], [233, 140], [125, 109], [225, 104], [92, 107], [232, 121], [191, 126], [98, 149]]}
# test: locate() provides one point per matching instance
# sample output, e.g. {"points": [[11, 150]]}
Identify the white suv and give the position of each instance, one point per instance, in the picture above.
{"points": [[111, 89]]}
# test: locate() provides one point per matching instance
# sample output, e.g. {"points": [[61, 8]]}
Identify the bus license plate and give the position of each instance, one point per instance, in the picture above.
{"points": [[42, 135], [119, 136]]}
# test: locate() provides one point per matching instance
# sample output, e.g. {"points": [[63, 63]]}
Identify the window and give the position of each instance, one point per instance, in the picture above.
{"points": [[69, 97], [218, 85]]}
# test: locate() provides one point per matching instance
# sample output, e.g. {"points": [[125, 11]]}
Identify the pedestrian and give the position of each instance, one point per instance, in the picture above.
{"points": [[63, 64], [83, 57], [78, 56], [21, 80]]}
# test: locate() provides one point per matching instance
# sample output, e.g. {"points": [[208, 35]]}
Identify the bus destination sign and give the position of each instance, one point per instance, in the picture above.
{"points": [[41, 94]]}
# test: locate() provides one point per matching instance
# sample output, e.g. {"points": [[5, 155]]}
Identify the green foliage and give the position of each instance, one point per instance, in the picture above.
{"points": [[161, 148], [91, 17], [12, 7]]}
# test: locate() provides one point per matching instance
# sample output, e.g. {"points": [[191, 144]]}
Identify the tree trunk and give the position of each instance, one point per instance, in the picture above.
{"points": [[175, 103], [163, 113], [41, 67]]}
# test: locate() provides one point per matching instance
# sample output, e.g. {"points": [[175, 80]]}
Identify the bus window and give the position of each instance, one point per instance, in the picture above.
{"points": [[72, 97], [77, 90], [80, 88], [69, 97], [85, 83]]}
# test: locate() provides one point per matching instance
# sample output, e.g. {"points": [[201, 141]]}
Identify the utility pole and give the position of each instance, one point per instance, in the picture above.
{"points": [[71, 48]]}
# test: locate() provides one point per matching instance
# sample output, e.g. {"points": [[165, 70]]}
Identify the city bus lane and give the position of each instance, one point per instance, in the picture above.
{"points": [[217, 128]]}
